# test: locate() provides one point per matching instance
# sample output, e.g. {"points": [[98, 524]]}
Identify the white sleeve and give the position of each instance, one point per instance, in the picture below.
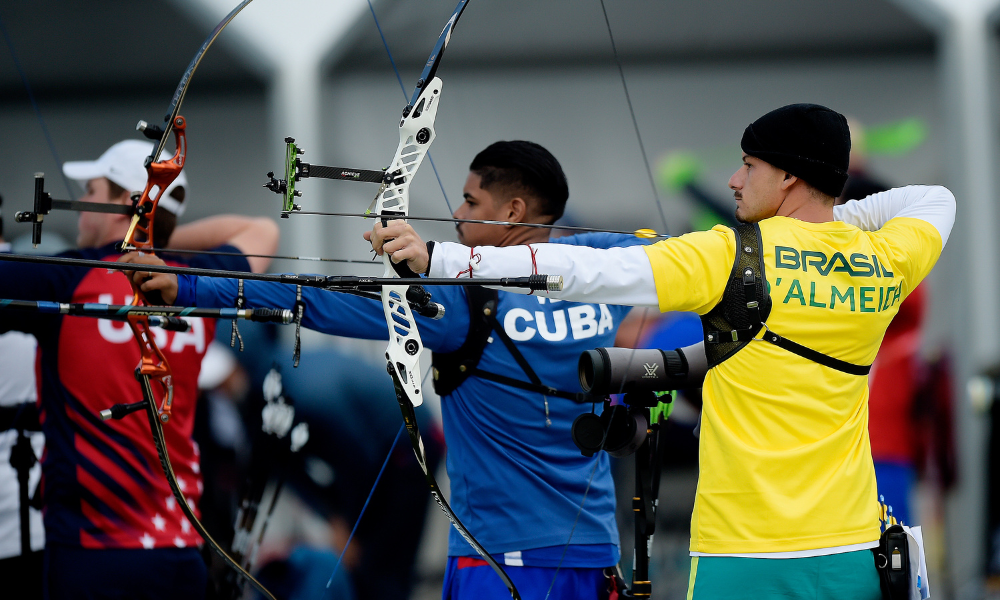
{"points": [[607, 276], [931, 203]]}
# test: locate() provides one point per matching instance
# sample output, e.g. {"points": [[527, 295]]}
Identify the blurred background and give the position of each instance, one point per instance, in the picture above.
{"points": [[919, 78]]}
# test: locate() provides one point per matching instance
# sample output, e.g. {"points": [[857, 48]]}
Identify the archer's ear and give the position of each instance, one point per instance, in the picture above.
{"points": [[518, 209], [788, 181]]}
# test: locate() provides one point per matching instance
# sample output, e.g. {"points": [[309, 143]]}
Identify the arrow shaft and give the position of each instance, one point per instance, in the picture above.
{"points": [[329, 282], [121, 312]]}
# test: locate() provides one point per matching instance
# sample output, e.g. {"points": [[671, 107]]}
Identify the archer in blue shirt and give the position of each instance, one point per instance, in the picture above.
{"points": [[518, 482]]}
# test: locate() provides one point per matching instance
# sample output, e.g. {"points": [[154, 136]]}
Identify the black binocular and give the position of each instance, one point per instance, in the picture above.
{"points": [[638, 374], [606, 371]]}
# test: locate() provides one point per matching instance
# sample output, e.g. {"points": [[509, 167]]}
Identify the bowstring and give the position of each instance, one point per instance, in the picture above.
{"points": [[644, 233], [402, 87], [635, 123], [371, 492], [579, 511], [34, 104], [271, 256]]}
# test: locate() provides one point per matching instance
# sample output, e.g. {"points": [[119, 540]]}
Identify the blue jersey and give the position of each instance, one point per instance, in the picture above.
{"points": [[517, 479]]}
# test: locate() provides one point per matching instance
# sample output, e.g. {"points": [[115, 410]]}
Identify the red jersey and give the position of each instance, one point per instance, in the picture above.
{"points": [[893, 383], [102, 484]]}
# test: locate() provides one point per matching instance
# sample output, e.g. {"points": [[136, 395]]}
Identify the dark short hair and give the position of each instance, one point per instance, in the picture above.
{"points": [[520, 168]]}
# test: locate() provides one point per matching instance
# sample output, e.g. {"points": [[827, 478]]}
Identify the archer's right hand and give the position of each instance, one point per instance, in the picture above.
{"points": [[165, 283], [402, 243]]}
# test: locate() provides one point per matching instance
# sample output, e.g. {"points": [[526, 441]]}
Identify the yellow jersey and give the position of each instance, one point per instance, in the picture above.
{"points": [[785, 461]]}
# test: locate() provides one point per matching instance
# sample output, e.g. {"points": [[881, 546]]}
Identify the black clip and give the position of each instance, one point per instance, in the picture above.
{"points": [[240, 302], [300, 309]]}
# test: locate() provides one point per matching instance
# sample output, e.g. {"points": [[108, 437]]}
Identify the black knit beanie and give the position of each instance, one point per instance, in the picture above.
{"points": [[809, 141]]}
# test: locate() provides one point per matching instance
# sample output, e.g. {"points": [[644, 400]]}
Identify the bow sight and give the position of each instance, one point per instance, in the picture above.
{"points": [[296, 170], [44, 204]]}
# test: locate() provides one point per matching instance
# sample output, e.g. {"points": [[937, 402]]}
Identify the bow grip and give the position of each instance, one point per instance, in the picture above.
{"points": [[403, 270], [155, 298]]}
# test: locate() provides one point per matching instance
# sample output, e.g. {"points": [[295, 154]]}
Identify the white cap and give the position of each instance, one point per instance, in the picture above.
{"points": [[123, 164]]}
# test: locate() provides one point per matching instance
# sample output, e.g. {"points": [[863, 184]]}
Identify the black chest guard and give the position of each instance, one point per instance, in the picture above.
{"points": [[745, 304], [740, 315], [451, 369]]}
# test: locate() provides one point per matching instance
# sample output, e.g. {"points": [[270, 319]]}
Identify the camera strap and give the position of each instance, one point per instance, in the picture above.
{"points": [[741, 314]]}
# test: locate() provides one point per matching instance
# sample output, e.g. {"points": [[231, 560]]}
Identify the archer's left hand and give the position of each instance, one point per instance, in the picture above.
{"points": [[165, 283], [401, 242]]}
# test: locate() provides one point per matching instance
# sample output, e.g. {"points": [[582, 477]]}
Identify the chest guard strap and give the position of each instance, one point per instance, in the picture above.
{"points": [[740, 315], [453, 368]]}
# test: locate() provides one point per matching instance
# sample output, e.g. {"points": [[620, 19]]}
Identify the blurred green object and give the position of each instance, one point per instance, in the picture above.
{"points": [[703, 219], [895, 138], [661, 412], [678, 169]]}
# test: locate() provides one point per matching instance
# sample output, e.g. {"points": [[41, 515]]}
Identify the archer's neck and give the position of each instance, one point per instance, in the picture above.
{"points": [[806, 207], [518, 236]]}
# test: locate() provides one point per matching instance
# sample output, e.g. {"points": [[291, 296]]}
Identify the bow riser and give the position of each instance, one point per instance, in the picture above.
{"points": [[416, 133], [159, 177], [153, 364], [403, 351]]}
